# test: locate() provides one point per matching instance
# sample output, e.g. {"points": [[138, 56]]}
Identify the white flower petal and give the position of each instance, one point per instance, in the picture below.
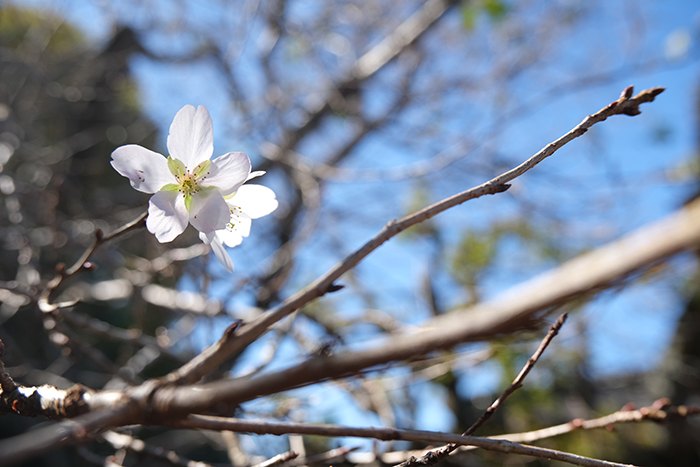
{"points": [[255, 200], [167, 215], [228, 172], [191, 138], [146, 170], [209, 211], [240, 224], [257, 173], [214, 241], [230, 238]]}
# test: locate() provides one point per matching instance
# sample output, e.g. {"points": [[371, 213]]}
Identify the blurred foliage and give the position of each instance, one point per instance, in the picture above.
{"points": [[472, 10], [25, 30], [477, 250]]}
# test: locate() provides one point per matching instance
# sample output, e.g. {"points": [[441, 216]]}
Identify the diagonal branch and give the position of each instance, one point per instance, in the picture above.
{"points": [[505, 313], [213, 357], [520, 378], [38, 441], [435, 455], [83, 263]]}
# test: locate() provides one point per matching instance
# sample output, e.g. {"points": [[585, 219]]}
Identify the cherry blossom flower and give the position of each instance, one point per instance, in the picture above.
{"points": [[249, 202], [189, 186]]}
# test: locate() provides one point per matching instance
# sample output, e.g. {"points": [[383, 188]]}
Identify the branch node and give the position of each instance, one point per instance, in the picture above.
{"points": [[502, 188], [626, 93], [334, 287]]}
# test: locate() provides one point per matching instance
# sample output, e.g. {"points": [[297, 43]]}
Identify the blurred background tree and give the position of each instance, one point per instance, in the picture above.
{"points": [[65, 105], [360, 111]]}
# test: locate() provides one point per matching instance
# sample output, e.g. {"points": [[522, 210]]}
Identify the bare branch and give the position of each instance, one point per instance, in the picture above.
{"points": [[659, 412], [435, 455], [520, 378], [504, 313], [36, 442], [83, 263], [212, 357], [385, 434]]}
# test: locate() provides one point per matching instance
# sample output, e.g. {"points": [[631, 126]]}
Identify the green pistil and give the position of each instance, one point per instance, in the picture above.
{"points": [[188, 183]]}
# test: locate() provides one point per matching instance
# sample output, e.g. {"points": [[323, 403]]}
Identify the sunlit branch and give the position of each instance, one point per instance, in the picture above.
{"points": [[505, 313], [214, 356]]}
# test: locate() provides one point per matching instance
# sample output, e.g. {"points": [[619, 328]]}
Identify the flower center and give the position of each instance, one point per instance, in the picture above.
{"points": [[235, 216], [189, 184]]}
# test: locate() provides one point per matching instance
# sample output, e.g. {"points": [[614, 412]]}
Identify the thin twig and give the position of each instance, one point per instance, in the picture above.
{"points": [[505, 313], [83, 264], [435, 455], [520, 378], [385, 434], [212, 357], [659, 412]]}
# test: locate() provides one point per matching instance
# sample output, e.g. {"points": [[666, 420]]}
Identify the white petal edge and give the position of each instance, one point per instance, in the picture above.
{"points": [[229, 238], [217, 248], [191, 136], [257, 173], [228, 172], [209, 211], [167, 215], [255, 200], [146, 170]]}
